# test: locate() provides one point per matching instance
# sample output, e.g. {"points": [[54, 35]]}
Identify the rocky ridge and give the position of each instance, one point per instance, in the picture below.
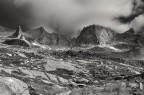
{"points": [[36, 37]]}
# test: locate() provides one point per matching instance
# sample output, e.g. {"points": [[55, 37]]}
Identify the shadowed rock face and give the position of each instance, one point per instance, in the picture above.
{"points": [[16, 42], [17, 38], [95, 35]]}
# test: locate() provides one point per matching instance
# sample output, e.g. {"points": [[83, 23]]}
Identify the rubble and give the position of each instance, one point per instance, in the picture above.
{"points": [[69, 72]]}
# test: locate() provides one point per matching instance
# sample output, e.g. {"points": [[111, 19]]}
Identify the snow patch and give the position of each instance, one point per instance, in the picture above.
{"points": [[39, 45]]}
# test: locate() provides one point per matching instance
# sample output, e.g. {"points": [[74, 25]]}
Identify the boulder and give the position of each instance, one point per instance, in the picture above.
{"points": [[13, 86]]}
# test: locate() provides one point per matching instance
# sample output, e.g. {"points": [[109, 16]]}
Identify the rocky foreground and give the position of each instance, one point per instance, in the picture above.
{"points": [[38, 71]]}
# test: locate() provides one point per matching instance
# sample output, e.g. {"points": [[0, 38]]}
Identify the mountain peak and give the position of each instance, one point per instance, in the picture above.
{"points": [[95, 35], [131, 31], [41, 29]]}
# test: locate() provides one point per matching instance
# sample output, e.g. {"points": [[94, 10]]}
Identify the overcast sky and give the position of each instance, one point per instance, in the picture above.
{"points": [[69, 16]]}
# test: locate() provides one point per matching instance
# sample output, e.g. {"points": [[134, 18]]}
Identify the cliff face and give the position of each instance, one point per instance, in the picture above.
{"points": [[94, 35]]}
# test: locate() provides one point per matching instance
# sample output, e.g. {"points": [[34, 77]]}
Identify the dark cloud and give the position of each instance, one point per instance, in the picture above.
{"points": [[128, 19], [136, 18], [64, 16], [12, 15], [137, 10]]}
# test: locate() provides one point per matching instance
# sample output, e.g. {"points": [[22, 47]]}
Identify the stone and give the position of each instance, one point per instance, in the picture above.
{"points": [[13, 86]]}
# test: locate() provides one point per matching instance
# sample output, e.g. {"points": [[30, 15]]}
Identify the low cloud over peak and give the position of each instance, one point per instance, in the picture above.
{"points": [[65, 16]]}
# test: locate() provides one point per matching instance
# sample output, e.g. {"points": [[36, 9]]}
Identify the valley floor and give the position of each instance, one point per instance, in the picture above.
{"points": [[66, 72]]}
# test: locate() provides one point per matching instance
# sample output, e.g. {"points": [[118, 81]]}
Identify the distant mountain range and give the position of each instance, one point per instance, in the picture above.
{"points": [[39, 36], [89, 36]]}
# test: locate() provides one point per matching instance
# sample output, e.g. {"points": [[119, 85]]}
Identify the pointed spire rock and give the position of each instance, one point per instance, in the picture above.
{"points": [[17, 34], [130, 31], [19, 31]]}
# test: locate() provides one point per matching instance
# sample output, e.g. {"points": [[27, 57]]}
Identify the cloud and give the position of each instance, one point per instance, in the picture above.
{"points": [[68, 16], [138, 23], [137, 16], [137, 11], [12, 15]]}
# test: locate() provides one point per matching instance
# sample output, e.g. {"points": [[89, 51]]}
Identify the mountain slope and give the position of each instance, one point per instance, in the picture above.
{"points": [[95, 35]]}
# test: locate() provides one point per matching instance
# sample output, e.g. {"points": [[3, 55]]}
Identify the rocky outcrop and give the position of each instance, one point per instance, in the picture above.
{"points": [[13, 86], [129, 37], [17, 34], [40, 36], [21, 41], [95, 35], [17, 38], [99, 35]]}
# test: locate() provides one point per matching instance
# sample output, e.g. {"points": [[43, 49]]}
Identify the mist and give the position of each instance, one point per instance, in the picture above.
{"points": [[136, 18], [65, 16]]}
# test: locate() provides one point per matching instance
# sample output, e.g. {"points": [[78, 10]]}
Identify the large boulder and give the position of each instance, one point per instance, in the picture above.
{"points": [[13, 86]]}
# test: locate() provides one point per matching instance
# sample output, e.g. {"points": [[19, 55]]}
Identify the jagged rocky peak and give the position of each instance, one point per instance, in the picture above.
{"points": [[17, 34], [129, 37], [42, 36], [128, 33], [39, 35], [95, 35], [41, 28]]}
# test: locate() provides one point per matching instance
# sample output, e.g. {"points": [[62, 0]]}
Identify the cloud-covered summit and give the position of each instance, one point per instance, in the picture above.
{"points": [[66, 16]]}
